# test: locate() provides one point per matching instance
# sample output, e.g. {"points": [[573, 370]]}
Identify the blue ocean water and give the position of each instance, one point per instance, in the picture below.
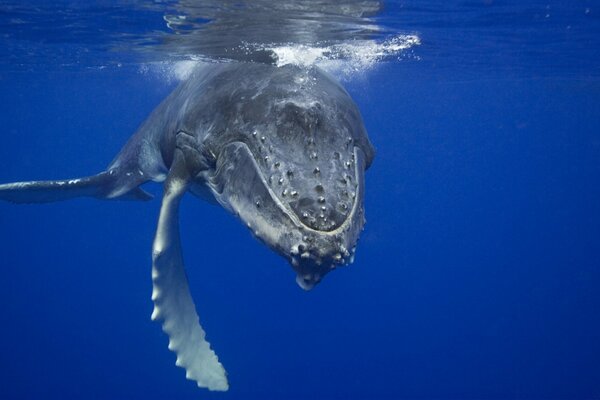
{"points": [[476, 275]]}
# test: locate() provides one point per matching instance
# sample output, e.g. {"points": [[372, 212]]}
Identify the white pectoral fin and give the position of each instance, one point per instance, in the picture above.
{"points": [[113, 184], [173, 303]]}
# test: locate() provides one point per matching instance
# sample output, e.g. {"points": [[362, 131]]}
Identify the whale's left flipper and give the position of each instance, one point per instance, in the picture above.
{"points": [[173, 302], [109, 184]]}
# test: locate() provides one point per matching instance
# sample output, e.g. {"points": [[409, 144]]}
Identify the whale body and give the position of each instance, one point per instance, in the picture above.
{"points": [[282, 148]]}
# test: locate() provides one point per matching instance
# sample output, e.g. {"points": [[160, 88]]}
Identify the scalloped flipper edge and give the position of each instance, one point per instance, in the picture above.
{"points": [[173, 303]]}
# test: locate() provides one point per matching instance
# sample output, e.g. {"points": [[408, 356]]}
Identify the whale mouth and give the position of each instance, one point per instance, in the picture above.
{"points": [[239, 185]]}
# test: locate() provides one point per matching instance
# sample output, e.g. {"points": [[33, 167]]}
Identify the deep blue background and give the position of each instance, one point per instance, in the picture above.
{"points": [[476, 277]]}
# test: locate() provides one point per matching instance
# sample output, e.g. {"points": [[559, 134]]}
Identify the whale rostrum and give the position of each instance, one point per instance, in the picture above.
{"points": [[282, 148]]}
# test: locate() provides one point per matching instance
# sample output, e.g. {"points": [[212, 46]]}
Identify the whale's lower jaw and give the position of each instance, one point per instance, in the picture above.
{"points": [[238, 184]]}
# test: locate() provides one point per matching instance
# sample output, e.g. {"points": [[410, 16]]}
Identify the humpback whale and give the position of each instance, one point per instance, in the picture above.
{"points": [[282, 148]]}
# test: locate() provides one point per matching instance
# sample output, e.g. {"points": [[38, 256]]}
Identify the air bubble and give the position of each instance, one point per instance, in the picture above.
{"points": [[321, 199], [317, 171]]}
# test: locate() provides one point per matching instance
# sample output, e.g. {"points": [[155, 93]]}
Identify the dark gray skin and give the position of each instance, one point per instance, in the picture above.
{"points": [[288, 135], [283, 148]]}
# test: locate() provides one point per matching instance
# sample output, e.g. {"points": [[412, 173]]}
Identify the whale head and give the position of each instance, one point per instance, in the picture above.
{"points": [[294, 169]]}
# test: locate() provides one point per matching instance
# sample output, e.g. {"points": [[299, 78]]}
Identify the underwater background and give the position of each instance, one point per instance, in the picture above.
{"points": [[477, 274]]}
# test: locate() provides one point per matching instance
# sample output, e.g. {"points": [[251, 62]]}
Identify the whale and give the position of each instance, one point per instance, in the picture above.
{"points": [[283, 148]]}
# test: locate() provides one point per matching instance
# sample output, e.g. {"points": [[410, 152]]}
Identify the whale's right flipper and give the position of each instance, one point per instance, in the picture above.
{"points": [[173, 302], [109, 184]]}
